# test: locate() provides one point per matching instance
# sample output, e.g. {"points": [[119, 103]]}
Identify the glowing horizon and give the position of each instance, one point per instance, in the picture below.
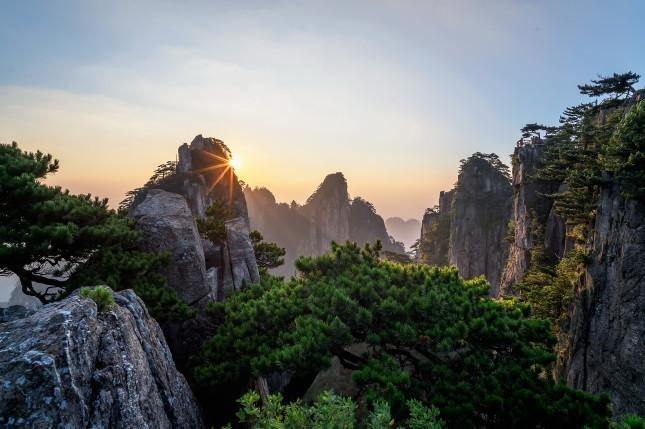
{"points": [[393, 94]]}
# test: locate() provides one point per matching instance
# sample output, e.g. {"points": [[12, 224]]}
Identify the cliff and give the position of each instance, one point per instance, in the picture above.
{"points": [[604, 349], [435, 232], [328, 211], [200, 271], [531, 212], [481, 209], [366, 226], [67, 365], [328, 215]]}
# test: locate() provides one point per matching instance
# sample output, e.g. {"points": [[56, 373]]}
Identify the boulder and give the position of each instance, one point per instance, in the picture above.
{"points": [[69, 366], [169, 226]]}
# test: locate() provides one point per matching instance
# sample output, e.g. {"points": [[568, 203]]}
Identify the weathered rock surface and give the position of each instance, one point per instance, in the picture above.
{"points": [[67, 366], [239, 257], [606, 348], [530, 209], [169, 226], [481, 210]]}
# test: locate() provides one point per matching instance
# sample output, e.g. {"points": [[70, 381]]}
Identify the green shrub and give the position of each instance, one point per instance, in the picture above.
{"points": [[101, 295], [630, 421]]}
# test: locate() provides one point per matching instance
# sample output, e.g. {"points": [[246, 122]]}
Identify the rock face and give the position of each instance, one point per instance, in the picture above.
{"points": [[530, 209], [606, 351], [328, 215], [481, 210], [66, 365], [435, 232], [169, 226], [239, 257], [328, 211], [207, 177]]}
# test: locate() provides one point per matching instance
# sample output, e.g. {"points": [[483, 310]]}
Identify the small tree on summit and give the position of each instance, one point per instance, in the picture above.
{"points": [[617, 85]]}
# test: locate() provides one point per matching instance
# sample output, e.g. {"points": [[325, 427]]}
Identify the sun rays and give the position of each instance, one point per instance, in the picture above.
{"points": [[227, 165]]}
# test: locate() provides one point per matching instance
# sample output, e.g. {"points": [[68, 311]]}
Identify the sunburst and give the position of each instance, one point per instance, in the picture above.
{"points": [[227, 165]]}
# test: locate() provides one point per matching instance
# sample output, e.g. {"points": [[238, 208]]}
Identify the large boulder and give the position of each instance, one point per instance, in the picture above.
{"points": [[69, 366], [169, 226]]}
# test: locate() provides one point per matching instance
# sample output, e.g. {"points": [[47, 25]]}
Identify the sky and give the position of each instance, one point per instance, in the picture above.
{"points": [[392, 93]]}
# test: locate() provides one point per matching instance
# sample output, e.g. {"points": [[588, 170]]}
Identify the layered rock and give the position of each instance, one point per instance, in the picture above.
{"points": [[66, 365], [481, 209], [605, 348], [531, 210]]}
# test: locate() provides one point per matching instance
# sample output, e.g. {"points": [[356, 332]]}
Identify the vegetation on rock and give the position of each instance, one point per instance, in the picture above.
{"points": [[101, 295]]}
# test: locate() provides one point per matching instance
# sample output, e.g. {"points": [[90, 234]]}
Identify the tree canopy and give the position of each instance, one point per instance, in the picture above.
{"points": [[428, 335]]}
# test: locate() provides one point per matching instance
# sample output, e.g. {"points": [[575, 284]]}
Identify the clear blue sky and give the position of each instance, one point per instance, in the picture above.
{"points": [[392, 93]]}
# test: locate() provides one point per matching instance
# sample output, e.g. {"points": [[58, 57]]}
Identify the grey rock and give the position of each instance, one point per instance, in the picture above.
{"points": [[169, 226], [433, 250], [67, 366], [605, 348], [530, 208], [481, 209], [240, 264]]}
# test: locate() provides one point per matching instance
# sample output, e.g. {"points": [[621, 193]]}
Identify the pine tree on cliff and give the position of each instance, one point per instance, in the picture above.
{"points": [[63, 241], [428, 335]]}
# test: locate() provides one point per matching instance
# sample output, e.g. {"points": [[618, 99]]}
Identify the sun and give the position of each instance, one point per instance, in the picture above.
{"points": [[235, 162]]}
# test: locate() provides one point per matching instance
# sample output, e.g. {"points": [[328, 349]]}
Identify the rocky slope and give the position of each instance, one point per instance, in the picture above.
{"points": [[604, 350], [66, 365], [328, 215]]}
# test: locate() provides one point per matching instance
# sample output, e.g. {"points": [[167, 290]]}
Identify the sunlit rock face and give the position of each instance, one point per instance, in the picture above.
{"points": [[604, 349], [199, 271], [66, 365], [481, 209], [207, 176], [531, 210]]}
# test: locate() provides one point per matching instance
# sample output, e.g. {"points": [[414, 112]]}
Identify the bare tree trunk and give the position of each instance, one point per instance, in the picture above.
{"points": [[263, 389]]}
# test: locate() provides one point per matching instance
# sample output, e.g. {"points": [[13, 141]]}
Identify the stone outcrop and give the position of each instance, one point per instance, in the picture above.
{"points": [[68, 366], [239, 257], [605, 350], [169, 226], [531, 209], [481, 209]]}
